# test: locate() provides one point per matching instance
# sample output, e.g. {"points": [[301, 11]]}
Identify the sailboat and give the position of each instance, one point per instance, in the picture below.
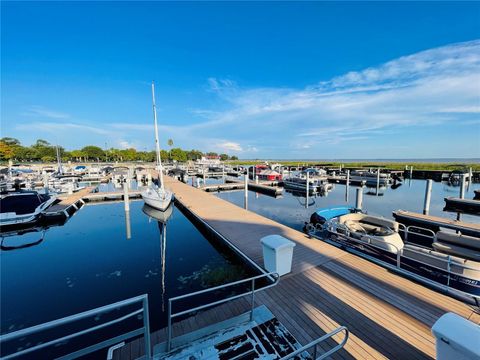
{"points": [[157, 197]]}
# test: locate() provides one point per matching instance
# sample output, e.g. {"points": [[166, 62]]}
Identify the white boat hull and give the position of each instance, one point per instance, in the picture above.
{"points": [[157, 198]]}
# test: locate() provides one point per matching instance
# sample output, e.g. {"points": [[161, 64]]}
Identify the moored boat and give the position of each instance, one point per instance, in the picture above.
{"points": [[451, 264], [317, 183], [21, 207], [157, 197]]}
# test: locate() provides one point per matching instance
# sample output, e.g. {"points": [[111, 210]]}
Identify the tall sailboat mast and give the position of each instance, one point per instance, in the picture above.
{"points": [[59, 161], [157, 143]]}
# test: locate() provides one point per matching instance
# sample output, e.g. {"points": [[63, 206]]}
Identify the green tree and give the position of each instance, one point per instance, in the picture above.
{"points": [[194, 155], [10, 141], [25, 153], [43, 149], [223, 157], [6, 151], [164, 155], [178, 154], [48, 158], [93, 152], [77, 155], [233, 157]]}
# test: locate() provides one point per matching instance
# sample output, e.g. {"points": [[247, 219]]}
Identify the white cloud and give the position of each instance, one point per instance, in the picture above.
{"points": [[40, 111], [229, 146], [433, 87], [61, 127]]}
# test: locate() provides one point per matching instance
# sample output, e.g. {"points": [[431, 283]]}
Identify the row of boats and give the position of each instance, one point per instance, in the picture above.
{"points": [[446, 260]]}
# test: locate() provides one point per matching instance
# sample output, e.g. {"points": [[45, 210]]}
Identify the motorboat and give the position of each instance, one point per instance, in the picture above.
{"points": [[370, 177], [22, 207], [157, 197], [317, 183], [264, 172], [451, 264], [66, 184]]}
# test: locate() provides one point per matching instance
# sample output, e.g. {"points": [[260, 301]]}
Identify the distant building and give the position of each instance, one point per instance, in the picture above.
{"points": [[209, 160]]}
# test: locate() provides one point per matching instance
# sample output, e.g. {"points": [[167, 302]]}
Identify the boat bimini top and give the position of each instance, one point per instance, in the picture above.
{"points": [[323, 215]]}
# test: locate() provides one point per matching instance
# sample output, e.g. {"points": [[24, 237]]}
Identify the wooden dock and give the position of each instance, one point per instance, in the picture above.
{"points": [[262, 188], [388, 316], [68, 203], [111, 196], [435, 222], [343, 180], [467, 206]]}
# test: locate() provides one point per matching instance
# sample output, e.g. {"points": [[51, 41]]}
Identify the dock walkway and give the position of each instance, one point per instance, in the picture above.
{"points": [[66, 202], [264, 188], [388, 316]]}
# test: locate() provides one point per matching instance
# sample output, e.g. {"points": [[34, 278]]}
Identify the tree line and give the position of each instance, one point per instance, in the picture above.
{"points": [[42, 150]]}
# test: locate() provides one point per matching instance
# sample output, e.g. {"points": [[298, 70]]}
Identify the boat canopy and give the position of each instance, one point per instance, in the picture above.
{"points": [[333, 212]]}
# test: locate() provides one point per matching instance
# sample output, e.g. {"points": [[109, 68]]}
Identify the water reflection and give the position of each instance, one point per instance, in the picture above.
{"points": [[162, 217]]}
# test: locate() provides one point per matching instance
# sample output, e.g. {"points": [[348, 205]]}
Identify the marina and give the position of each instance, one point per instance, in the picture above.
{"points": [[314, 261], [216, 180]]}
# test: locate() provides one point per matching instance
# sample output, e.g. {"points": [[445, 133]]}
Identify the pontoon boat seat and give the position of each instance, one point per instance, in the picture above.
{"points": [[464, 246], [366, 219], [368, 229], [458, 265]]}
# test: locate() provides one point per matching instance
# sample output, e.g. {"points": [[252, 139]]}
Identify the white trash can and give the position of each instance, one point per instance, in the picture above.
{"points": [[277, 254], [456, 338]]}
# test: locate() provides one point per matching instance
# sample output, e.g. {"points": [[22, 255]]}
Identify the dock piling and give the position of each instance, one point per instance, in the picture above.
{"points": [[347, 186], [256, 179], [470, 175], [462, 186], [428, 195], [378, 180], [308, 190], [245, 204], [359, 200]]}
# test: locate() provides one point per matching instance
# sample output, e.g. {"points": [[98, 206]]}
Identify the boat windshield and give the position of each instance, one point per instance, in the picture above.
{"points": [[21, 204]]}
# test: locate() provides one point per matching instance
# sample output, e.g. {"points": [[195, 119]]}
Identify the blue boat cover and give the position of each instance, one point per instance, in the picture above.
{"points": [[333, 212]]}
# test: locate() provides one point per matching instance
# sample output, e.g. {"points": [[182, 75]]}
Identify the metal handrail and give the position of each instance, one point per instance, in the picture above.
{"points": [[272, 276], [406, 231], [318, 341], [145, 329]]}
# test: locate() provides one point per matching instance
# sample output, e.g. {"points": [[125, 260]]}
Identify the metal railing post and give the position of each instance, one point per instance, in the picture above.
{"points": [[449, 270], [146, 326], [253, 299], [169, 329]]}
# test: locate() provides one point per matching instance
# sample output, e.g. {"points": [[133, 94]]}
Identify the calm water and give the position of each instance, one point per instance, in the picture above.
{"points": [[290, 210], [91, 262]]}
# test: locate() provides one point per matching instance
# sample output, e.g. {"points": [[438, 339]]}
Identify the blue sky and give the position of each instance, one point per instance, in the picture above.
{"points": [[324, 80]]}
